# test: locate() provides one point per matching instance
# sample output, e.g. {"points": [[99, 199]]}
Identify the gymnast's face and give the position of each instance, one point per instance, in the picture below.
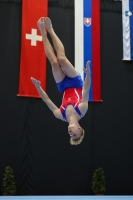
{"points": [[74, 131]]}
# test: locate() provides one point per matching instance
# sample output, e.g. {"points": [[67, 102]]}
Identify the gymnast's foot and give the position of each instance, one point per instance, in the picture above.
{"points": [[41, 26], [48, 24]]}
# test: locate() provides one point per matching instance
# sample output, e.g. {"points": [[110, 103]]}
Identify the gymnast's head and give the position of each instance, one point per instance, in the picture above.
{"points": [[76, 134]]}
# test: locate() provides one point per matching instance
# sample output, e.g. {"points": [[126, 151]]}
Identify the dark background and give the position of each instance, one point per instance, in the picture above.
{"points": [[35, 144]]}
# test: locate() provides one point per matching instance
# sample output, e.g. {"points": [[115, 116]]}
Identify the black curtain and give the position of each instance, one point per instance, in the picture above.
{"points": [[36, 144]]}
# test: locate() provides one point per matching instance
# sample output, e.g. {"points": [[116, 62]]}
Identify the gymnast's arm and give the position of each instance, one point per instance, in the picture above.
{"points": [[83, 106], [56, 111]]}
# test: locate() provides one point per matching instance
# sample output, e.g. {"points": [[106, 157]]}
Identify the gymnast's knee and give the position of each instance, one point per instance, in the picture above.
{"points": [[54, 63], [61, 59]]}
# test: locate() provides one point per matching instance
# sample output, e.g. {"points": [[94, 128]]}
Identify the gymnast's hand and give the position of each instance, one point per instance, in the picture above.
{"points": [[87, 69], [35, 82]]}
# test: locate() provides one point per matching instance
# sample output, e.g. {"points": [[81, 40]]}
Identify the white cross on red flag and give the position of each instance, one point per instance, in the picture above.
{"points": [[33, 58]]}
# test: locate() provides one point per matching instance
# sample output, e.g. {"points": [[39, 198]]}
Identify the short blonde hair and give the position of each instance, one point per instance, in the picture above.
{"points": [[78, 141]]}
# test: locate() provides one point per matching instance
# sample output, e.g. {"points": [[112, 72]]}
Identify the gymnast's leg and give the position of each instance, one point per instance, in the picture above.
{"points": [[56, 69], [63, 61]]}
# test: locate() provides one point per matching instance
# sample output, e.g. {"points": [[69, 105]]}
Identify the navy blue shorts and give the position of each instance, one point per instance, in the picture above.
{"points": [[68, 82]]}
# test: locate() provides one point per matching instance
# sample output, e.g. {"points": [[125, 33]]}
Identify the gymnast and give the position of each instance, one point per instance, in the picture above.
{"points": [[69, 82]]}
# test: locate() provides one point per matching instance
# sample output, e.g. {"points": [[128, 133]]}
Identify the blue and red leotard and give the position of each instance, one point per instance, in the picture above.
{"points": [[71, 96]]}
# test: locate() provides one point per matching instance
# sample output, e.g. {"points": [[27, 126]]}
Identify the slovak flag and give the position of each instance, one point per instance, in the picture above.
{"points": [[127, 21], [87, 43], [32, 58]]}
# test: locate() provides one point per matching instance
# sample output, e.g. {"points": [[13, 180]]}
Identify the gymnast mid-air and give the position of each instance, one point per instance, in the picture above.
{"points": [[69, 82]]}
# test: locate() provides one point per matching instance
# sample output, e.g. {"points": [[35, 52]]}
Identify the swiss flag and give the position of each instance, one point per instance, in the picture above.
{"points": [[33, 58]]}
